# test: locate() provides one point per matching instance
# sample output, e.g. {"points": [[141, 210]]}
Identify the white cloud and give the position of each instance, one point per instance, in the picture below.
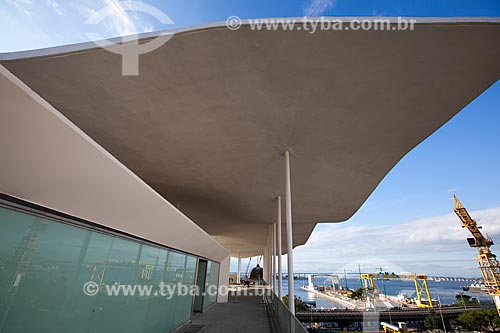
{"points": [[22, 6], [56, 7], [148, 28], [30, 24], [427, 231], [438, 240], [371, 264], [118, 21], [318, 7]]}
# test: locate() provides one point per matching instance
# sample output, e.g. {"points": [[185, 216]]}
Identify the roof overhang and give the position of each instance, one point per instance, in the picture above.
{"points": [[208, 118]]}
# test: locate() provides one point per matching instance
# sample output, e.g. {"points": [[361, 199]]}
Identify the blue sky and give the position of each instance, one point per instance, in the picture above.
{"points": [[409, 219], [407, 223], [31, 24]]}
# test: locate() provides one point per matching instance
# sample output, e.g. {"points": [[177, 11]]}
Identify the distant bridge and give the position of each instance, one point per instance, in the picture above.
{"points": [[356, 274]]}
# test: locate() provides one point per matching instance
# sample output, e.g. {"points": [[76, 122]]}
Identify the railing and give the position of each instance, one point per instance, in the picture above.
{"points": [[287, 322]]}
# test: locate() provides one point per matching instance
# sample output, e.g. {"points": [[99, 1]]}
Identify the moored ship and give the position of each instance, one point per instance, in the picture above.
{"points": [[476, 287]]}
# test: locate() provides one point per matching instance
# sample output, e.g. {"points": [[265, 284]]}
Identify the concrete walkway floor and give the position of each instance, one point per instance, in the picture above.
{"points": [[242, 314]]}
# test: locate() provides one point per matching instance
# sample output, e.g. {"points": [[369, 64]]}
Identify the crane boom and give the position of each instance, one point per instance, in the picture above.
{"points": [[488, 262]]}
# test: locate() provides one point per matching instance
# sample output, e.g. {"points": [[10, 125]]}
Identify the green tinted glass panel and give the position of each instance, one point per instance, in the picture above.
{"points": [[211, 284], [44, 265]]}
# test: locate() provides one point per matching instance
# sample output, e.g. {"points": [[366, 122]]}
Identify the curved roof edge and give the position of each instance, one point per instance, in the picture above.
{"points": [[90, 45]]}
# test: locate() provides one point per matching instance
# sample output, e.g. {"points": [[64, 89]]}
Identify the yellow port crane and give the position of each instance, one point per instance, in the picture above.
{"points": [[420, 280], [488, 262]]}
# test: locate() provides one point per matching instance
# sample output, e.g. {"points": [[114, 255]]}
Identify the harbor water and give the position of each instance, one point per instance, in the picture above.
{"points": [[445, 291]]}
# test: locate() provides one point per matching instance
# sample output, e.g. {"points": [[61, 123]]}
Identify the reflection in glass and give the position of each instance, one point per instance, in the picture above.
{"points": [[44, 265]]}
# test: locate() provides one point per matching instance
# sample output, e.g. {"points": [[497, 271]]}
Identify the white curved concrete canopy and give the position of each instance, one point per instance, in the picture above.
{"points": [[206, 121]]}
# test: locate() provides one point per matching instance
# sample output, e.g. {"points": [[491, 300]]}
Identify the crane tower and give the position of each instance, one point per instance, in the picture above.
{"points": [[488, 262]]}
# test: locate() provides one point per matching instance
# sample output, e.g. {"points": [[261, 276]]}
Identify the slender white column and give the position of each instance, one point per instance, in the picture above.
{"points": [[270, 256], [273, 271], [265, 261], [289, 234], [279, 248], [271, 252], [239, 269]]}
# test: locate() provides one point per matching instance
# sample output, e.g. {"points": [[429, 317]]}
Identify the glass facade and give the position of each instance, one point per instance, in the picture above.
{"points": [[211, 284], [45, 266]]}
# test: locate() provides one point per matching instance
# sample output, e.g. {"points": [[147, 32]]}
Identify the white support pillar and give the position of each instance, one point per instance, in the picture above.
{"points": [[265, 261], [273, 270], [239, 269], [289, 234], [269, 256], [279, 248]]}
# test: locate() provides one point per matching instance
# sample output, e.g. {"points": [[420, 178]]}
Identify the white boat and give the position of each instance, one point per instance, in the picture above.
{"points": [[476, 287]]}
